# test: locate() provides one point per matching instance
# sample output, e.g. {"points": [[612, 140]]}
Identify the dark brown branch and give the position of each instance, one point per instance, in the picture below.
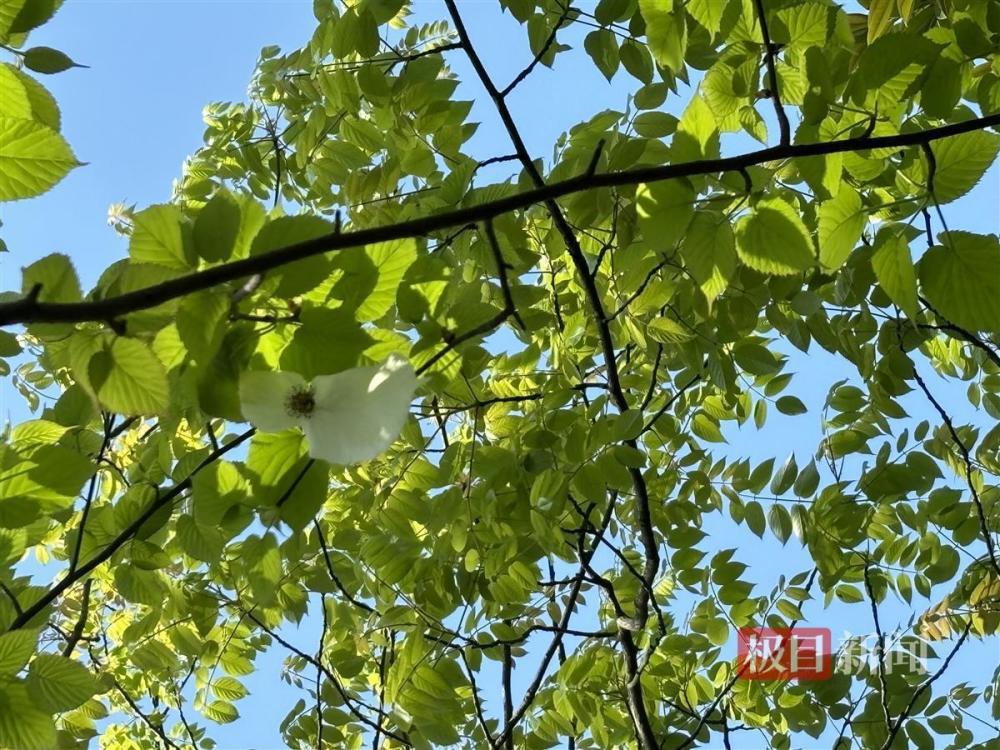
{"points": [[772, 76], [332, 678], [295, 483], [561, 628], [705, 717], [81, 622], [156, 726], [508, 696], [13, 598], [476, 702], [105, 442], [319, 676], [453, 341], [542, 52], [966, 335], [30, 310], [880, 650], [502, 267], [670, 402], [333, 574], [984, 526], [923, 687], [123, 536], [352, 65]]}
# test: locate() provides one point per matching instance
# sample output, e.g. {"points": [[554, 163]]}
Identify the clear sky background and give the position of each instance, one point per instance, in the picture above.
{"points": [[135, 113]]}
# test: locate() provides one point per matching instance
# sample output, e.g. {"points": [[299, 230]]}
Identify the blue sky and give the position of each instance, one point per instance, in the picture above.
{"points": [[135, 113]]}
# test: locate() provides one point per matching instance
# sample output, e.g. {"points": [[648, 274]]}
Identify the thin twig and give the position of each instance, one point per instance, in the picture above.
{"points": [[770, 50], [923, 687]]}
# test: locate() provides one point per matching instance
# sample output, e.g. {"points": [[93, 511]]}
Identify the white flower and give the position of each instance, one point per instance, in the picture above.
{"points": [[348, 417]]}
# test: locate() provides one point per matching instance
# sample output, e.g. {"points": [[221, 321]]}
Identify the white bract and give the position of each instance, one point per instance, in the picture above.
{"points": [[348, 417]]}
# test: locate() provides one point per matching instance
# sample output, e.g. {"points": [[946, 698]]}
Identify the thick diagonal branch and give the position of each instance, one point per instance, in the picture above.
{"points": [[29, 309]]}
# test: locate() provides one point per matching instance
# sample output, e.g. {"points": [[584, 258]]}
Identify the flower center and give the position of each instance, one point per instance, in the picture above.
{"points": [[301, 402]]}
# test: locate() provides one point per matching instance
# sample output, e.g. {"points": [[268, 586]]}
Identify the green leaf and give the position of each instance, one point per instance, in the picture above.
{"points": [[697, 134], [655, 124], [807, 481], [961, 163], [791, 406], [16, 648], [891, 67], [754, 516], [841, 221], [128, 379], [310, 492], [43, 105], [664, 210], [942, 89], [57, 684], [56, 276], [780, 522], [803, 25], [47, 60], [709, 252], [33, 158], [849, 594], [373, 295], [202, 319], [773, 239], [636, 60], [200, 541], [880, 17], [221, 712], [217, 227], [15, 93], [229, 688], [894, 270], [220, 486], [157, 237], [712, 13], [309, 352], [785, 476], [669, 331], [602, 46], [960, 279], [302, 275], [666, 32], [706, 428], [9, 12], [33, 13], [22, 725]]}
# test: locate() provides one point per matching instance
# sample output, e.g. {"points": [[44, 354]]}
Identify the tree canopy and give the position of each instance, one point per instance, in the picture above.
{"points": [[558, 493]]}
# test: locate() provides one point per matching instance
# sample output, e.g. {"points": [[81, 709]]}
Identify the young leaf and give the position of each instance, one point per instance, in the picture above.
{"points": [[960, 279], [666, 32], [57, 684], [894, 270], [841, 221], [33, 158], [774, 240], [128, 378]]}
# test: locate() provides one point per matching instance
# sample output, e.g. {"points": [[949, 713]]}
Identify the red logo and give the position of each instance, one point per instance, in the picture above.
{"points": [[784, 654]]}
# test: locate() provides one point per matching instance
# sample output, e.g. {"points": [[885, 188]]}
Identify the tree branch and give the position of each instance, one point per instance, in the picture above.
{"points": [[30, 310], [880, 650], [924, 686], [125, 535], [772, 76]]}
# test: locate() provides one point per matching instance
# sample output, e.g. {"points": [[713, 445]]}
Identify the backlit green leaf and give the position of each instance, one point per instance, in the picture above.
{"points": [[33, 158], [773, 239]]}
